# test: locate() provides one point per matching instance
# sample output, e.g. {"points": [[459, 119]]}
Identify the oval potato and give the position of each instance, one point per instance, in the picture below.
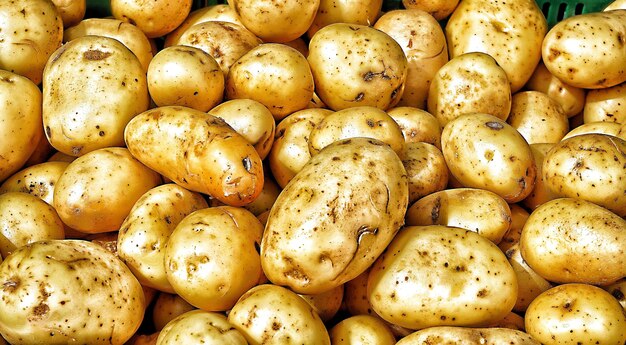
{"points": [[217, 12], [571, 98], [155, 18], [460, 335]]}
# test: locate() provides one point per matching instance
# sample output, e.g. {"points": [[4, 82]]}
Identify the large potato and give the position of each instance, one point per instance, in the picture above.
{"points": [[571, 98], [575, 241], [361, 329], [323, 232], [92, 87], [356, 65], [461, 335], [155, 18], [363, 12], [68, 291], [197, 151], [441, 276], [606, 104], [38, 180], [200, 327], [570, 49], [537, 117], [511, 32], [483, 151]]}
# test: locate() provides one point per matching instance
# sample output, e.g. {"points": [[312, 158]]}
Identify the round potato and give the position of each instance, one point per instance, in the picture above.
{"points": [[461, 335], [217, 12], [63, 291], [363, 12], [417, 125], [155, 18], [199, 327], [606, 104], [576, 313], [541, 193], [326, 304], [38, 180], [167, 307], [571, 98], [426, 170], [356, 65], [597, 127], [529, 283], [537, 117], [483, 151], [361, 329], [439, 9]]}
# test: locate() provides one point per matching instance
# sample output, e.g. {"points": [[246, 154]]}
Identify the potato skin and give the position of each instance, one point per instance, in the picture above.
{"points": [[351, 215], [199, 327], [197, 151], [167, 307], [426, 170], [154, 18], [537, 117], [39, 180], [571, 98], [606, 104], [361, 329], [460, 335]]}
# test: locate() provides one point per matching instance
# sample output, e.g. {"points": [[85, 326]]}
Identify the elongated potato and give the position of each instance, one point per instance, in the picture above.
{"points": [[598, 127], [460, 335], [155, 18], [197, 151], [363, 12], [39, 180], [323, 232]]}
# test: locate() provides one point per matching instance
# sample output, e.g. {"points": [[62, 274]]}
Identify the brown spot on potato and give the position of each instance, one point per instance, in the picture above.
{"points": [[76, 150], [359, 97], [434, 212], [482, 293], [96, 55], [11, 284], [40, 310]]}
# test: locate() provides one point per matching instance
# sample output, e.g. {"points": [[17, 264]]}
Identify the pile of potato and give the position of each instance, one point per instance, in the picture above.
{"points": [[312, 172]]}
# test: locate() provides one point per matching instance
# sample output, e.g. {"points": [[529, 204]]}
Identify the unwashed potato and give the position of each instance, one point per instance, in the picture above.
{"points": [[351, 215], [326, 304], [606, 104], [167, 307], [511, 32], [87, 108], [571, 98], [576, 314], [483, 151], [477, 210], [155, 18], [570, 49], [38, 180], [439, 9], [271, 314], [199, 327], [363, 12], [590, 167], [96, 192], [217, 12], [71, 11], [541, 193], [275, 75], [356, 65], [31, 31], [417, 125], [469, 83], [618, 290], [441, 276], [426, 170], [537, 117], [598, 127], [197, 151], [147, 228], [529, 283], [460, 335], [64, 291], [25, 219], [575, 241], [361, 329]]}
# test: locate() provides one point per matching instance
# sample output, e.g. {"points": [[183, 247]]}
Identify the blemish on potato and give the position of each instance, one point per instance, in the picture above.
{"points": [[96, 55]]}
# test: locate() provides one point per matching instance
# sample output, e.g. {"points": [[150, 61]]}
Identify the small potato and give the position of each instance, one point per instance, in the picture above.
{"points": [[363, 121], [439, 9], [326, 304], [537, 117], [185, 76], [200, 327], [197, 151], [361, 329], [64, 291], [529, 283], [575, 241], [511, 321], [441, 276], [571, 98], [130, 35], [223, 262], [618, 290], [460, 335], [96, 192], [570, 49], [606, 104], [541, 193], [477, 210], [363, 12], [167, 307], [278, 314], [426, 170], [597, 127], [251, 119], [147, 228], [71, 11], [25, 219], [483, 151], [39, 180], [518, 218], [590, 167], [356, 65], [417, 125], [576, 314], [217, 12], [155, 18], [276, 75]]}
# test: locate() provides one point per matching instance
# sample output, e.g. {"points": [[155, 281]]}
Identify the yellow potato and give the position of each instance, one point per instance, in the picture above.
{"points": [[426, 170], [155, 18], [61, 157], [606, 104], [537, 117], [167, 307], [618, 290], [439, 9], [460, 335], [200, 327], [266, 199], [511, 321], [43, 150], [575, 241], [326, 304], [217, 12], [615, 4], [363, 12], [355, 298], [71, 11], [541, 193], [571, 98], [417, 125], [576, 314], [598, 127], [529, 283], [518, 218], [441, 276], [361, 329]]}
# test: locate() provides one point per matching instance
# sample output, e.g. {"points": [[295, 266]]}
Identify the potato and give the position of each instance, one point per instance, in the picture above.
{"points": [[276, 75], [43, 150], [223, 262], [541, 193], [130, 35], [264, 202], [477, 210], [469, 83], [460, 335], [86, 108], [364, 12], [576, 313], [424, 44], [511, 321], [64, 291], [598, 127], [618, 289], [569, 240], [483, 151], [147, 228], [361, 329], [417, 125], [198, 151], [441, 276], [355, 298], [271, 314], [155, 18], [606, 104], [167, 307], [71, 11], [61, 157], [363, 121], [199, 327], [20, 120], [326, 304], [426, 170], [31, 31], [569, 51], [537, 117], [217, 12], [96, 192], [518, 218], [356, 65], [511, 32], [25, 219], [322, 233], [38, 180], [251, 119], [439, 9], [143, 339], [226, 42], [590, 167], [276, 21], [571, 98], [529, 283]]}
